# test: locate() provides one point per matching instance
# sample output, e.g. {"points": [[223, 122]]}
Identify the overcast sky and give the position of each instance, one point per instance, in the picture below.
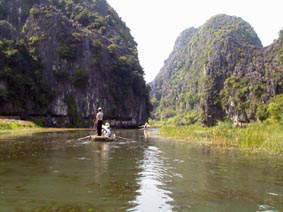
{"points": [[156, 24]]}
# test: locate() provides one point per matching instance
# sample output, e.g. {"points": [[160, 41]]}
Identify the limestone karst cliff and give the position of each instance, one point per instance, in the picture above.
{"points": [[219, 70], [61, 60]]}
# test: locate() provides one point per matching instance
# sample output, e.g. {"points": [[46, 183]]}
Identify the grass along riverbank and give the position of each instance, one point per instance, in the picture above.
{"points": [[12, 124], [256, 136]]}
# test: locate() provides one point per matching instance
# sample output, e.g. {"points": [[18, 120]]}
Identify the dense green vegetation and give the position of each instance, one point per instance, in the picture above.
{"points": [[91, 14], [73, 114], [6, 124], [245, 96], [54, 49], [256, 136], [21, 77], [264, 135], [174, 119]]}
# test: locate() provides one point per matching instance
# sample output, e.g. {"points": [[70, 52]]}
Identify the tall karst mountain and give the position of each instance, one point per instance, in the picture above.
{"points": [[62, 59], [219, 70]]}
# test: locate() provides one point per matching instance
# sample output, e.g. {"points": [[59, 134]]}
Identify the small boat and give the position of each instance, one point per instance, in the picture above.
{"points": [[102, 138]]}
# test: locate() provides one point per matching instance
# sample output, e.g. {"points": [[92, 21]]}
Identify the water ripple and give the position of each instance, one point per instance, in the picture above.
{"points": [[152, 196]]}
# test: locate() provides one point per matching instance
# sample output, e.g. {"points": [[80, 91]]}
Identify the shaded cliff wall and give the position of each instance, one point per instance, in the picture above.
{"points": [[86, 59]]}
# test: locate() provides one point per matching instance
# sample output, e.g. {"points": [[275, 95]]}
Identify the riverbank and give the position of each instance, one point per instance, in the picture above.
{"points": [[255, 136], [12, 124]]}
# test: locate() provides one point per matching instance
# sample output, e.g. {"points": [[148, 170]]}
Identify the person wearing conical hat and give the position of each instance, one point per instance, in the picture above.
{"points": [[99, 121], [107, 129]]}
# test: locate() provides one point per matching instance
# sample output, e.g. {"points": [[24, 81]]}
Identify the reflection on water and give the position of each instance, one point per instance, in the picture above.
{"points": [[151, 196], [53, 171]]}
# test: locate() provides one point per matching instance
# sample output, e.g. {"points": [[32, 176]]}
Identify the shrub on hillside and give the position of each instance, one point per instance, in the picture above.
{"points": [[67, 52], [275, 109]]}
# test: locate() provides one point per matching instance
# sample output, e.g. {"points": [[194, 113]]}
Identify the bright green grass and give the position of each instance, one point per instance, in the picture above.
{"points": [[255, 136], [10, 124]]}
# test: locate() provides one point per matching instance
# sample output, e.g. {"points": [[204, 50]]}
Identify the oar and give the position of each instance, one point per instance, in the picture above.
{"points": [[89, 136], [79, 139]]}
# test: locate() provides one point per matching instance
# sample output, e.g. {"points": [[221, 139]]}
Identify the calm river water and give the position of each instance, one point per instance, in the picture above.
{"points": [[53, 171]]}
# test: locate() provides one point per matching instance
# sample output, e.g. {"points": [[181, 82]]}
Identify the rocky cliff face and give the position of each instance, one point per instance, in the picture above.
{"points": [[85, 58], [220, 73], [173, 65]]}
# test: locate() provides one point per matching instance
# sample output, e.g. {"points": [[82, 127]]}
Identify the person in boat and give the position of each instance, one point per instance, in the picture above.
{"points": [[107, 129], [146, 125], [99, 121]]}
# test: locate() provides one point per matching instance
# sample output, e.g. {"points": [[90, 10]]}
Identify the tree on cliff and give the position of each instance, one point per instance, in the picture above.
{"points": [[79, 51]]}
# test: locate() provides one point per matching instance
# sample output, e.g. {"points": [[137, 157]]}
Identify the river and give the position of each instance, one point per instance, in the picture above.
{"points": [[53, 171]]}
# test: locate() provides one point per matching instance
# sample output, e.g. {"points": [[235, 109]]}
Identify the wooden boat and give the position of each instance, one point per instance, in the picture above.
{"points": [[97, 138], [102, 138]]}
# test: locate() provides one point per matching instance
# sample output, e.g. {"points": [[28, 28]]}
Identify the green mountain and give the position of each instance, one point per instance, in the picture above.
{"points": [[218, 71], [62, 59]]}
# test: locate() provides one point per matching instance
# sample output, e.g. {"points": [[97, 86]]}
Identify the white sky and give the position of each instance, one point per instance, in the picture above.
{"points": [[156, 24]]}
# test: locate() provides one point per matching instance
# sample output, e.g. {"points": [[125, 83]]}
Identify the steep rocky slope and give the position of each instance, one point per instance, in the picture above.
{"points": [[219, 70], [64, 59]]}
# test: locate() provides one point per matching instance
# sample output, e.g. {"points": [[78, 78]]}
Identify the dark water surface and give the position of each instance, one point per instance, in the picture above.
{"points": [[52, 171]]}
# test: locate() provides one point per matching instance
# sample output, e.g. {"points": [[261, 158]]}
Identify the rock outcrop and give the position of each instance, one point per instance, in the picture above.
{"points": [[220, 70], [84, 58]]}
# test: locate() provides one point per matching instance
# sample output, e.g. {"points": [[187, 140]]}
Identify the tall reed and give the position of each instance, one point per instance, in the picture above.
{"points": [[255, 136], [9, 124]]}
